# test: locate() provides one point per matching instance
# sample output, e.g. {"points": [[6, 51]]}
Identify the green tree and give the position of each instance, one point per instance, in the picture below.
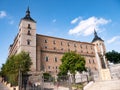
{"points": [[113, 57], [47, 77], [72, 62], [11, 68]]}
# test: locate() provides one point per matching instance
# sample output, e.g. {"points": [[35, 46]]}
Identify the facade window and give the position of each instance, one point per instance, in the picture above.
{"points": [[86, 46], [93, 61], [28, 42], [54, 48], [91, 48], [95, 68], [61, 43], [69, 50], [29, 32], [45, 47], [48, 67], [54, 42], [45, 41], [68, 44], [89, 61], [81, 46], [20, 29], [55, 59], [81, 51], [74, 45], [29, 27], [61, 48], [46, 59], [56, 67]]}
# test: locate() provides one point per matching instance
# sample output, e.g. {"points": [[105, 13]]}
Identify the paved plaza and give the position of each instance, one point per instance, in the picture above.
{"points": [[105, 85]]}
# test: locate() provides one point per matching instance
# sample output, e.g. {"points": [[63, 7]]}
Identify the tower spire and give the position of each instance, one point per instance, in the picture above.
{"points": [[95, 33], [96, 37], [28, 12], [27, 16]]}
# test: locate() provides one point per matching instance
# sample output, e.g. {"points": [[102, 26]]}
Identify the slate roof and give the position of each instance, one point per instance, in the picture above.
{"points": [[28, 17], [96, 37]]}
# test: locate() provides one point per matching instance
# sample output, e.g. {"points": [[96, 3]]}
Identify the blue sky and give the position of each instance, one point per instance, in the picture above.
{"points": [[70, 19]]}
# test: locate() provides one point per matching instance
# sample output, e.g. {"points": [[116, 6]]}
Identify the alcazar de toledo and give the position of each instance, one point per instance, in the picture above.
{"points": [[46, 51]]}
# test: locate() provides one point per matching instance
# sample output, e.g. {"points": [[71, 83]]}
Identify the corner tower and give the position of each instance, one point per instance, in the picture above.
{"points": [[27, 37], [104, 72], [100, 51]]}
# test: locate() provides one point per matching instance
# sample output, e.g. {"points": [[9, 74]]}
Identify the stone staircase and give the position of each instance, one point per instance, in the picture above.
{"points": [[105, 85]]}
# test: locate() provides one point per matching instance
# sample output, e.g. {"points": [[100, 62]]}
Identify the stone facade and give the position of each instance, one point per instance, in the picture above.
{"points": [[46, 51]]}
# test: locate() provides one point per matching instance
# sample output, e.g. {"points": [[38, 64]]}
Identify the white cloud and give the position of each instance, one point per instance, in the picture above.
{"points": [[75, 20], [115, 38], [86, 27], [2, 14], [54, 20]]}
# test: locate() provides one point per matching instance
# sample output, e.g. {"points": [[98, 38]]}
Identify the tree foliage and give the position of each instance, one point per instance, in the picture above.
{"points": [[72, 62], [113, 56], [15, 63]]}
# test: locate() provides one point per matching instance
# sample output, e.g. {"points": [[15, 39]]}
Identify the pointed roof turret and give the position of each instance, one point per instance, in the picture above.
{"points": [[28, 12], [96, 37], [27, 16]]}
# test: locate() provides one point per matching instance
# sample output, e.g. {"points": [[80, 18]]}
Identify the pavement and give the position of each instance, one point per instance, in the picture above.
{"points": [[3, 87], [105, 85]]}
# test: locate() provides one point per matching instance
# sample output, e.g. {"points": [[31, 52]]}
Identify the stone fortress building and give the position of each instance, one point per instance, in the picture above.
{"points": [[46, 51]]}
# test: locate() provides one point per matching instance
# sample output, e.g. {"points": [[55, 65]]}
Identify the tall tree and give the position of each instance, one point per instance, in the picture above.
{"points": [[113, 56], [72, 62], [15, 62]]}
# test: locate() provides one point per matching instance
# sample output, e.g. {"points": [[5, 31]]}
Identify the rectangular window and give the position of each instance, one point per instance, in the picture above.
{"points": [[29, 27], [56, 67], [81, 46], [91, 47], [68, 44], [54, 48], [28, 42], [48, 67], [74, 45], [93, 61], [81, 51], [29, 32], [55, 59], [89, 61], [61, 43], [61, 48], [45, 47], [54, 42], [45, 41], [46, 58]]}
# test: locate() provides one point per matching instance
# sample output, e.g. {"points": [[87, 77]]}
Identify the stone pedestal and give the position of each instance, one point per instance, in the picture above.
{"points": [[105, 74]]}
